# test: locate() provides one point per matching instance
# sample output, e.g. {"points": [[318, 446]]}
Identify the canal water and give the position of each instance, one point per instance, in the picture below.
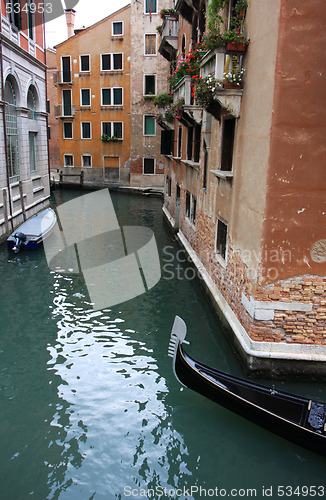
{"points": [[90, 408]]}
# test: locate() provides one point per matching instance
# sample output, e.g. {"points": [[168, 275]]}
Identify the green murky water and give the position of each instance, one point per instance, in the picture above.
{"points": [[89, 406]]}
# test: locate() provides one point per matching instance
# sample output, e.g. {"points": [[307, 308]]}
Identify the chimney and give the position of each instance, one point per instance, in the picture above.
{"points": [[70, 20]]}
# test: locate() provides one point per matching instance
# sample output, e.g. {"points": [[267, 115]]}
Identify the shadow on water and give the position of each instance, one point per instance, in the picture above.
{"points": [[90, 407]]}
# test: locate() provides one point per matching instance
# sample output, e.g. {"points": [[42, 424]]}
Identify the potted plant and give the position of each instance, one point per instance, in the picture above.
{"points": [[234, 40], [162, 100], [233, 79], [168, 13], [206, 89], [241, 8]]}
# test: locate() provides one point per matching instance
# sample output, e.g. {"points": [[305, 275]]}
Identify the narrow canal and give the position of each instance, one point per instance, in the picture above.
{"points": [[90, 408]]}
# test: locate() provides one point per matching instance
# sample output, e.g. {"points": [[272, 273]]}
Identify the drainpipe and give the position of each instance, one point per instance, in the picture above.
{"points": [[5, 126]]}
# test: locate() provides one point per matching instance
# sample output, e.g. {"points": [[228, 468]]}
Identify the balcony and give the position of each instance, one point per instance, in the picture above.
{"points": [[64, 111], [62, 78], [169, 38], [186, 8], [191, 112], [216, 63], [163, 119]]}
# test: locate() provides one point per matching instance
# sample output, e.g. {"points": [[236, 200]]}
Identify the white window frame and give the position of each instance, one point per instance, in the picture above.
{"points": [[147, 158], [112, 94], [72, 130], [153, 12], [64, 160], [90, 98], [111, 54], [150, 55], [123, 28], [81, 131], [112, 128], [80, 65], [82, 161], [155, 90], [144, 121]]}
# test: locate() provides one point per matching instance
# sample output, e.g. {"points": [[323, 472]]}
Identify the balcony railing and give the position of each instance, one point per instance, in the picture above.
{"points": [[64, 111], [186, 8], [183, 90], [62, 78], [218, 63], [169, 38]]}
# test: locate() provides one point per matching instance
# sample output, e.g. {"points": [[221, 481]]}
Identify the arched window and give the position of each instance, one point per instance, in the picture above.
{"points": [[32, 102], [183, 46], [10, 96]]}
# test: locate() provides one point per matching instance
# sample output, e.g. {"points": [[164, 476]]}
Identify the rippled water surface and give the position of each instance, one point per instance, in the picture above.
{"points": [[90, 408]]}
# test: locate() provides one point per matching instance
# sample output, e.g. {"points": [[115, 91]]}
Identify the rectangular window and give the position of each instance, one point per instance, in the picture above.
{"points": [[197, 143], [106, 97], [149, 166], [179, 142], [150, 85], [67, 130], [117, 28], [65, 69], [112, 129], [150, 6], [168, 186], [14, 11], [68, 160], [150, 45], [193, 210], [149, 125], [32, 151], [84, 63], [228, 132], [85, 97], [86, 130], [86, 161], [117, 61], [111, 62], [66, 102], [190, 138], [117, 96], [31, 18], [167, 142], [105, 62], [187, 213], [221, 238]]}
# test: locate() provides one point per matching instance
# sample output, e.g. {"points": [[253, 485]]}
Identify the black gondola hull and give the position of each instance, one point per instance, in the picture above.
{"points": [[279, 412]]}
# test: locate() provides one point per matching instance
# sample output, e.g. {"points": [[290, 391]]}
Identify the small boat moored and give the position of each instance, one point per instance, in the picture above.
{"points": [[295, 418], [33, 231]]}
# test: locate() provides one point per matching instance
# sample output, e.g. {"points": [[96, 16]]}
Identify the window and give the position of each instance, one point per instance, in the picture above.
{"points": [[84, 63], [221, 238], [86, 130], [65, 69], [179, 142], [167, 142], [111, 62], [150, 85], [190, 142], [32, 151], [85, 97], [193, 210], [227, 143], [67, 130], [14, 13], [86, 161], [168, 186], [112, 129], [31, 18], [149, 166], [150, 6], [150, 45], [66, 100], [12, 128], [187, 213], [112, 96], [68, 160], [32, 102], [117, 28], [149, 125]]}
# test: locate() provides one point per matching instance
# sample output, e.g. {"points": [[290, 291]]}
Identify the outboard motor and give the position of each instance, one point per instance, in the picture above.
{"points": [[20, 238]]}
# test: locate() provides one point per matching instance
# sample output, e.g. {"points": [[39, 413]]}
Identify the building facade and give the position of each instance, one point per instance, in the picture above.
{"points": [[245, 183], [108, 75], [52, 100], [24, 170]]}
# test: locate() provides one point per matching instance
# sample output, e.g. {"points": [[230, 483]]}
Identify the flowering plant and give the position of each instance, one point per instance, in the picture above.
{"points": [[205, 90], [162, 100], [175, 110], [212, 38], [168, 12], [234, 77], [188, 65]]}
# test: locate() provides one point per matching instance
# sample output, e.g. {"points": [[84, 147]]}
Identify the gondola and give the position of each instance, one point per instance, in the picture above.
{"points": [[295, 418], [33, 231]]}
